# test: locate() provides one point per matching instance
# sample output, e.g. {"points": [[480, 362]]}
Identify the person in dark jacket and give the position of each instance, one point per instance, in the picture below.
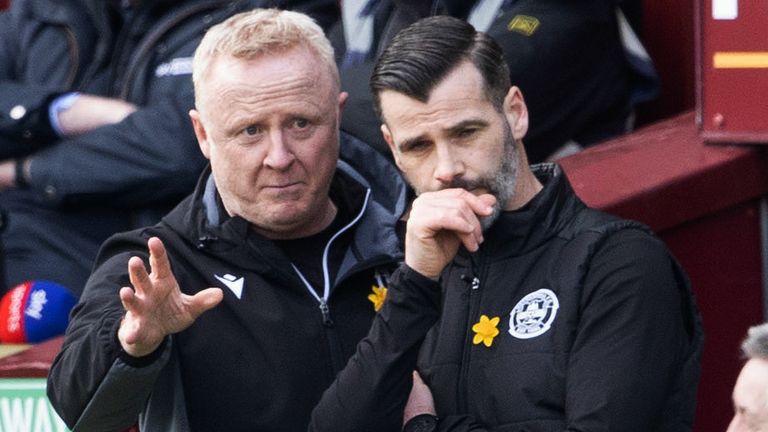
{"points": [[94, 133], [583, 49], [238, 309], [536, 312]]}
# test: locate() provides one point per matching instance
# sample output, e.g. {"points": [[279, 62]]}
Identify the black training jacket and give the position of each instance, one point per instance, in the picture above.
{"points": [[597, 331], [260, 360]]}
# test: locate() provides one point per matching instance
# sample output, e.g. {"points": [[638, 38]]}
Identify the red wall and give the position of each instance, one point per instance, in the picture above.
{"points": [[668, 34], [4, 4], [721, 253], [703, 201]]}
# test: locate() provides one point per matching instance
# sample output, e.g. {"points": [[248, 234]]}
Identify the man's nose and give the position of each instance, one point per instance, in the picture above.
{"points": [[279, 155], [449, 165]]}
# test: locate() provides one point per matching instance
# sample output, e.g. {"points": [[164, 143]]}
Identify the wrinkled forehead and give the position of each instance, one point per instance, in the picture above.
{"points": [[295, 70]]}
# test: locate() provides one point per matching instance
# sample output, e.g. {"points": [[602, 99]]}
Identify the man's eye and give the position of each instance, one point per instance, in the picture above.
{"points": [[464, 133], [415, 146], [252, 130], [300, 123]]}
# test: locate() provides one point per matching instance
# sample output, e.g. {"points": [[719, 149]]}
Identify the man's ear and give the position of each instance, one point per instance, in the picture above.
{"points": [[343, 96], [516, 112], [390, 142], [200, 133]]}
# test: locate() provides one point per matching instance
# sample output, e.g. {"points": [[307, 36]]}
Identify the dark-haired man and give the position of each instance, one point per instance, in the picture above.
{"points": [[584, 47], [539, 313]]}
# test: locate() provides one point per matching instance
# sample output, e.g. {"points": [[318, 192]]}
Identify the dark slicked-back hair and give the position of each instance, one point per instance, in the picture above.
{"points": [[424, 53]]}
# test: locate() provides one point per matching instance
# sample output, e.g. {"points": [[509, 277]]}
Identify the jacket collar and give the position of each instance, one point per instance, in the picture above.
{"points": [[519, 231]]}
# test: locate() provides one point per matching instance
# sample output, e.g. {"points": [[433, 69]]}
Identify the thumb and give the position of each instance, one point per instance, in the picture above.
{"points": [[205, 300]]}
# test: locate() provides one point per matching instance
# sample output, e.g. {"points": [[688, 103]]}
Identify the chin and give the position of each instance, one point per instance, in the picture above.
{"points": [[487, 222]]}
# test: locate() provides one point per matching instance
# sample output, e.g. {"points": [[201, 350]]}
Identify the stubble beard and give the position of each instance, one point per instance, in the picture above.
{"points": [[500, 183]]}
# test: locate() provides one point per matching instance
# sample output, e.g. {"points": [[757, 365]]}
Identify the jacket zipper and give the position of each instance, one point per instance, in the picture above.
{"points": [[325, 309], [474, 285]]}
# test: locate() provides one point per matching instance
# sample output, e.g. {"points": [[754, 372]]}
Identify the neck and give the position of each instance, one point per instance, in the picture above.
{"points": [[527, 184], [316, 223]]}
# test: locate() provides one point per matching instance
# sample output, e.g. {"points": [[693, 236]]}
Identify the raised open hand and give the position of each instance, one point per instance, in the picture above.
{"points": [[155, 306]]}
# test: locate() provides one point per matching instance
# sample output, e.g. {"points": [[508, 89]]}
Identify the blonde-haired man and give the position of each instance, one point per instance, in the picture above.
{"points": [[289, 239]]}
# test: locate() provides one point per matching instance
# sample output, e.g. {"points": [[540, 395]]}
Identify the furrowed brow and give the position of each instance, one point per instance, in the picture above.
{"points": [[467, 124], [408, 143]]}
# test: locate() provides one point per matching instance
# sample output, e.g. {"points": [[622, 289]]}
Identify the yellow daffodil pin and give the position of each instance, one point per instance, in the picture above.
{"points": [[485, 330], [377, 297]]}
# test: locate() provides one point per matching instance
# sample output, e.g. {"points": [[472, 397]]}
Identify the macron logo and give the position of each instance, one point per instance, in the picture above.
{"points": [[234, 283]]}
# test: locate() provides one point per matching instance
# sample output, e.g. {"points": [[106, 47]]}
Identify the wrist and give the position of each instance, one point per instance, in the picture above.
{"points": [[419, 274], [421, 423], [139, 347], [59, 105], [140, 359], [424, 271]]}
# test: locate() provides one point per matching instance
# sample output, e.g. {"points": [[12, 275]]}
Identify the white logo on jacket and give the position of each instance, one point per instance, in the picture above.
{"points": [[234, 283], [177, 66], [533, 315]]}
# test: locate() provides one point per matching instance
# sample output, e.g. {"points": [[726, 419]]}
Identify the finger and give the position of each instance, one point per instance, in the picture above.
{"points": [[128, 331], [138, 276], [481, 205], [451, 220], [205, 300], [488, 199], [128, 299], [158, 259], [476, 207], [460, 219], [471, 206], [471, 241]]}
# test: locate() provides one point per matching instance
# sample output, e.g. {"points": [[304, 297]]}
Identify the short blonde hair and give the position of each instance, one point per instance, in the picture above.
{"points": [[258, 32]]}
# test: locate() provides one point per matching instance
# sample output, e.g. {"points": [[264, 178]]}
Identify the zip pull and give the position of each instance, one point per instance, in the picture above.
{"points": [[326, 311], [475, 283]]}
